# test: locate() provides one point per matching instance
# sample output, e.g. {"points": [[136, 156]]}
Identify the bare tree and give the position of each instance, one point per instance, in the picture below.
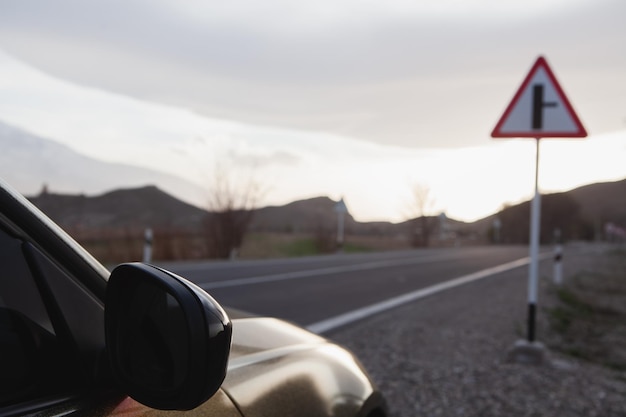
{"points": [[421, 206], [231, 208]]}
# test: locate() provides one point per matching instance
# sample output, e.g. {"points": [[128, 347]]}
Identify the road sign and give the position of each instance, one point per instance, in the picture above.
{"points": [[539, 109], [340, 206]]}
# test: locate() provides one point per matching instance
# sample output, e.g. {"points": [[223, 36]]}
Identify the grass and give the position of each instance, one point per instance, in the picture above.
{"points": [[302, 247], [588, 319], [308, 247], [125, 248]]}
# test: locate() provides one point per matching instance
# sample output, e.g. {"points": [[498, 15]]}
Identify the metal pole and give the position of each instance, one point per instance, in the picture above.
{"points": [[533, 271]]}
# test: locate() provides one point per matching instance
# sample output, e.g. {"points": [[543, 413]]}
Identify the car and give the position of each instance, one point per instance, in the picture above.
{"points": [[76, 339]]}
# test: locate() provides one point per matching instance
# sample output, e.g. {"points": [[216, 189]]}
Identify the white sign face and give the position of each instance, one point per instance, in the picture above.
{"points": [[340, 207], [539, 109]]}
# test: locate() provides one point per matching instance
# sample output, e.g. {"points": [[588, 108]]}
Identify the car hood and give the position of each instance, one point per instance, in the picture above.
{"points": [[276, 368], [261, 338]]}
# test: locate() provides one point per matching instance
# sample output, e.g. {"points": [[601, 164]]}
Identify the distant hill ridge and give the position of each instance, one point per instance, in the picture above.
{"points": [[603, 201], [143, 207], [150, 207], [127, 208]]}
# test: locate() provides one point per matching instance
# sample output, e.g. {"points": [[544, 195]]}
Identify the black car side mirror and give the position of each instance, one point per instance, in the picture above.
{"points": [[167, 340]]}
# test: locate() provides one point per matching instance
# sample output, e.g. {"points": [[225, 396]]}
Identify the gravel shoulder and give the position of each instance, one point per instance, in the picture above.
{"points": [[445, 355]]}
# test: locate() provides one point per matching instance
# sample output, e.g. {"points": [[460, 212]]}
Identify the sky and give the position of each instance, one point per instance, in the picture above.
{"points": [[359, 99]]}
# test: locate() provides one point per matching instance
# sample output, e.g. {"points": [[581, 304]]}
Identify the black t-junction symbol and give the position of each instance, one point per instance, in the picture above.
{"points": [[538, 105]]}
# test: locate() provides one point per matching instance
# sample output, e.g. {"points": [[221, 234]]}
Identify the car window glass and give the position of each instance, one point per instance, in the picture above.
{"points": [[81, 311], [31, 361], [18, 290]]}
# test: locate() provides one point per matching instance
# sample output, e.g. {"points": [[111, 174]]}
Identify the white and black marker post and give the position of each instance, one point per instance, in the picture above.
{"points": [[341, 210], [558, 258], [538, 110], [147, 246]]}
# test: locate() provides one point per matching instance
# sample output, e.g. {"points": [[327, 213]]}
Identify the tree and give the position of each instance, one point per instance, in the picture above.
{"points": [[231, 209], [422, 205]]}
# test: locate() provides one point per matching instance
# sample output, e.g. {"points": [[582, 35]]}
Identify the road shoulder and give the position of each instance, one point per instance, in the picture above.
{"points": [[445, 355]]}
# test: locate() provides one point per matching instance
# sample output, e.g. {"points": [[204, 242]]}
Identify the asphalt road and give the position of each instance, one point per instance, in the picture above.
{"points": [[312, 289]]}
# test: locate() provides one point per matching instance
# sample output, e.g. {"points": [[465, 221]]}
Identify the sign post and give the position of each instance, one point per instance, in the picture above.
{"points": [[535, 230], [341, 210], [538, 110]]}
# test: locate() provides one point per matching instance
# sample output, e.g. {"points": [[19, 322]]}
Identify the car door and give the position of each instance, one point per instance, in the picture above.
{"points": [[52, 350], [39, 358]]}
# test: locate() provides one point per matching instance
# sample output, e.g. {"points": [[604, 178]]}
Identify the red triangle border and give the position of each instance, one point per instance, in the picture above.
{"points": [[540, 63]]}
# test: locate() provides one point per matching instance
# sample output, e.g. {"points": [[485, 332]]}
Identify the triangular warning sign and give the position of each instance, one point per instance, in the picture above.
{"points": [[539, 109]]}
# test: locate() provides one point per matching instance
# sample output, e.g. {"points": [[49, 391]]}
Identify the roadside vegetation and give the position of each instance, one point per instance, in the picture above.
{"points": [[127, 245], [233, 225], [588, 318]]}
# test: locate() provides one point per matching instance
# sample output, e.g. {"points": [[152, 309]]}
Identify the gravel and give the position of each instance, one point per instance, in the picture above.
{"points": [[446, 355]]}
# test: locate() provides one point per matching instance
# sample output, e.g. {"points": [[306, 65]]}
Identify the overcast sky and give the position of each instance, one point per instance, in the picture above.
{"points": [[395, 78]]}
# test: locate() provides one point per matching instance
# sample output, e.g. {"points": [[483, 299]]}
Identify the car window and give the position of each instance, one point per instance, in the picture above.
{"points": [[33, 359]]}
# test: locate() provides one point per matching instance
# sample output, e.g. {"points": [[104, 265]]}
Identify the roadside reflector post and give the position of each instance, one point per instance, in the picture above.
{"points": [[341, 209], [558, 258], [147, 246]]}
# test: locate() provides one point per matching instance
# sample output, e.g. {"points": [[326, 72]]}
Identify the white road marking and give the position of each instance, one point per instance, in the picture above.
{"points": [[324, 271], [361, 313]]}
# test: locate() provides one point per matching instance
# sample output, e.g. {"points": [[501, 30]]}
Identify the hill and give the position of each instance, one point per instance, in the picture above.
{"points": [[603, 202], [138, 208], [298, 216], [313, 214], [579, 214], [131, 209], [123, 214], [594, 204]]}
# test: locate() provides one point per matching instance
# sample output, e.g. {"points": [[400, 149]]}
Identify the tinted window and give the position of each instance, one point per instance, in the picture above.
{"points": [[32, 361]]}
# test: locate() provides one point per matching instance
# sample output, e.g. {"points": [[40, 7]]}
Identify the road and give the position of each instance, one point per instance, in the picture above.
{"points": [[313, 289]]}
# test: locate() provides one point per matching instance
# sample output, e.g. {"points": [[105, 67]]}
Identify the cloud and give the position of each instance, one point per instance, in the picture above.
{"points": [[353, 97], [411, 73], [375, 179], [258, 160]]}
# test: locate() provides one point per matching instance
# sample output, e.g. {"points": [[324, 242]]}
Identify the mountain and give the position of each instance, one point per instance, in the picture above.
{"points": [[134, 209], [603, 202], [579, 214], [29, 162], [149, 206], [138, 208], [316, 214], [111, 225], [298, 216]]}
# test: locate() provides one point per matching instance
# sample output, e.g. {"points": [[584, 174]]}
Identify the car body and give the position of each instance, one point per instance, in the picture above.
{"points": [[72, 341]]}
